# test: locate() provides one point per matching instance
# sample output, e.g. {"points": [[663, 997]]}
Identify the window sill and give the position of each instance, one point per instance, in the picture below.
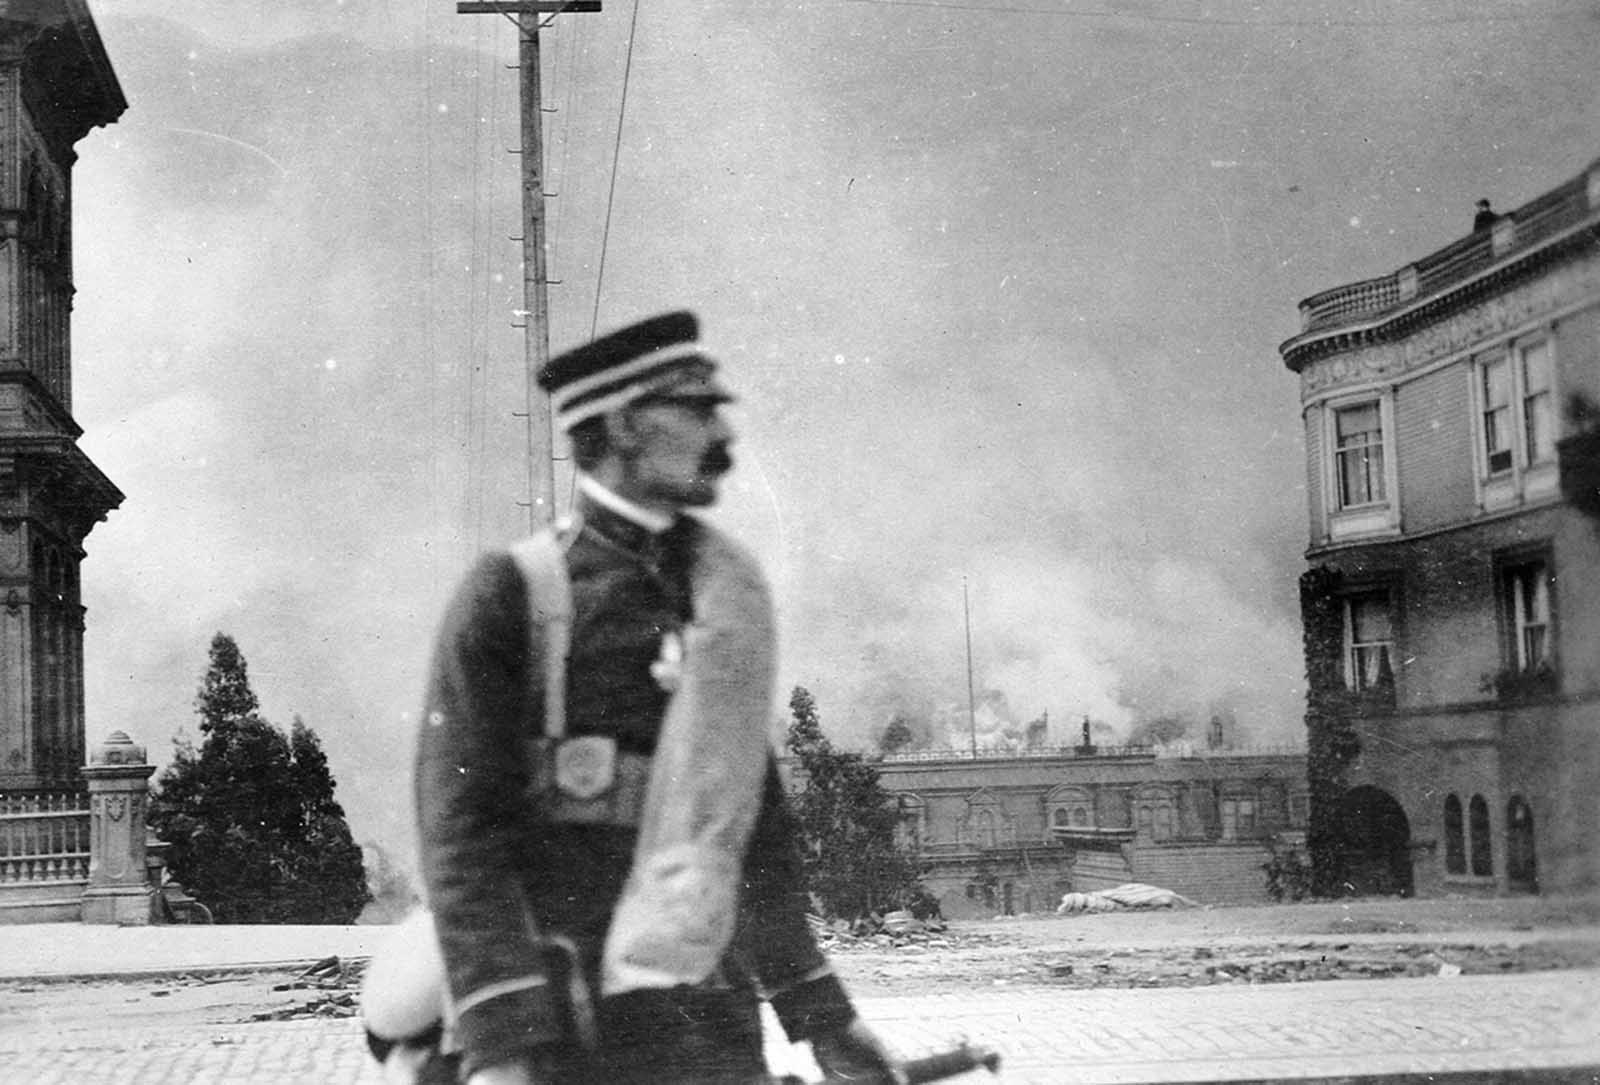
{"points": [[1525, 687], [1511, 489], [1361, 521]]}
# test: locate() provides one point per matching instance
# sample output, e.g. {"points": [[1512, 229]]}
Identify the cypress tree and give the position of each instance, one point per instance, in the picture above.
{"points": [[255, 831]]}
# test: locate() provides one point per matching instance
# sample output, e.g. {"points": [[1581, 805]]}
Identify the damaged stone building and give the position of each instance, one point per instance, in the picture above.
{"points": [[1009, 832], [1452, 603]]}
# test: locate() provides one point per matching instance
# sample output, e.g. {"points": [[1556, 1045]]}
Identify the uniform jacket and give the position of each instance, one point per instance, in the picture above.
{"points": [[502, 877]]}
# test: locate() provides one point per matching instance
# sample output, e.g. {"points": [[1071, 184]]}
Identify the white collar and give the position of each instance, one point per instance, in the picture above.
{"points": [[652, 521]]}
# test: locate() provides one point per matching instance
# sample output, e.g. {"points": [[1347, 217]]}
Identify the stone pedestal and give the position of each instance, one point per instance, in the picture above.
{"points": [[119, 888]]}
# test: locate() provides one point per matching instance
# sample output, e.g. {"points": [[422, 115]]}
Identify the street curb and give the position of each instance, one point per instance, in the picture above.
{"points": [[1562, 1075], [173, 971]]}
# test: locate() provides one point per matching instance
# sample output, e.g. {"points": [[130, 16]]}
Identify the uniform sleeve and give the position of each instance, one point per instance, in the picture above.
{"points": [[799, 982], [471, 776]]}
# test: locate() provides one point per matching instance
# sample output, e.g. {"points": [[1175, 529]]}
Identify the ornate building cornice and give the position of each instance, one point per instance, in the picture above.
{"points": [[1560, 225], [1427, 320]]}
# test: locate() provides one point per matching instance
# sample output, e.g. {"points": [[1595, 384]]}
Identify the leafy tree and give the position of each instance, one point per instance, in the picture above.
{"points": [[255, 832], [854, 864], [897, 736]]}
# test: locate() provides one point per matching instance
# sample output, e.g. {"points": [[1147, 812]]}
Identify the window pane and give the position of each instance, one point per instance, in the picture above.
{"points": [[1361, 475], [1497, 418], [1358, 425], [1529, 595], [1358, 439], [1455, 851], [1536, 596], [1541, 432], [1496, 384], [1371, 641], [1369, 618], [1533, 646], [1536, 369], [1497, 439], [1478, 835]]}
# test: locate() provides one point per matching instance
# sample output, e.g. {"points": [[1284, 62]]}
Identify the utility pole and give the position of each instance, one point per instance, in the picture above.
{"points": [[535, 294]]}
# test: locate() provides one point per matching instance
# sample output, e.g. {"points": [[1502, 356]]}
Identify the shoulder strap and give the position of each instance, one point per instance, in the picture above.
{"points": [[543, 563]]}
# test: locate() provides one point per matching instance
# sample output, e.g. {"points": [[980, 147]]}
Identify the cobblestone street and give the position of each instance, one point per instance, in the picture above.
{"points": [[208, 1005], [1428, 1025]]}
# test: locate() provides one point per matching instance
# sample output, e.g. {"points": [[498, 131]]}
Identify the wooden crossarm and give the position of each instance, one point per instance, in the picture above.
{"points": [[524, 7]]}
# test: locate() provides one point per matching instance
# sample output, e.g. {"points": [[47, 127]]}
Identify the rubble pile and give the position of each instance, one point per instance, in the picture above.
{"points": [[892, 930], [335, 984]]}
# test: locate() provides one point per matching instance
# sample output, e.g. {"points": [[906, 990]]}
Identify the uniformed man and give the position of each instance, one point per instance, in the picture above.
{"points": [[609, 859]]}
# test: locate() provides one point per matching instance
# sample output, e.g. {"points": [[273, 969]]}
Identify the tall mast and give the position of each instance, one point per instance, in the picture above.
{"points": [[541, 452], [972, 705]]}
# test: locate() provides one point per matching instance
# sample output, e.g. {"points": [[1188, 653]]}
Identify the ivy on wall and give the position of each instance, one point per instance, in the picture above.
{"points": [[1331, 714], [1579, 456]]}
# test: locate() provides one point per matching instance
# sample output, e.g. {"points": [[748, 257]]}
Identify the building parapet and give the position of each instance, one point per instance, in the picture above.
{"points": [[1516, 236], [1098, 753]]}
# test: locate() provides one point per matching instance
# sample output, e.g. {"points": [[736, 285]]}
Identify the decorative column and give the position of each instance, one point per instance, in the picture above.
{"points": [[119, 887]]}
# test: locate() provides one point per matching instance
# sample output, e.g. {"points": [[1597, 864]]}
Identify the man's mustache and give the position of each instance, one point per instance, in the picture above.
{"points": [[716, 461]]}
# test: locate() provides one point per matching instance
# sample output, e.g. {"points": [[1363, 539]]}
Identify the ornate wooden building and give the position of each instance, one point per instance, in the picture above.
{"points": [[56, 85]]}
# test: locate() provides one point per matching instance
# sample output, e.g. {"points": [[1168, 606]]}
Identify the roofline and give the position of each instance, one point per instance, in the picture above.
{"points": [[1394, 302]]}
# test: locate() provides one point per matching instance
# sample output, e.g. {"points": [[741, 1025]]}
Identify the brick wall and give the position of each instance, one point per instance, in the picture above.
{"points": [[1433, 443], [1315, 499], [1207, 873], [1099, 870]]}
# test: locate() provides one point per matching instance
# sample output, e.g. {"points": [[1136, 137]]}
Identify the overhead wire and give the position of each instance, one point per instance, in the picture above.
{"points": [[429, 341], [616, 158], [1128, 15]]}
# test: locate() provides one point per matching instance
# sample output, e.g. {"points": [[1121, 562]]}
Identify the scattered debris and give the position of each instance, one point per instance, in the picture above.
{"points": [[338, 984]]}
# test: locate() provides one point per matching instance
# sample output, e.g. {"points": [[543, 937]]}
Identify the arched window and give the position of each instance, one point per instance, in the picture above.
{"points": [[1060, 818], [1455, 842], [1478, 835], [1522, 869]]}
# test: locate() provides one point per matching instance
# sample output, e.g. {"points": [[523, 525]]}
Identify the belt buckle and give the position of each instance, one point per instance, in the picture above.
{"points": [[586, 766]]}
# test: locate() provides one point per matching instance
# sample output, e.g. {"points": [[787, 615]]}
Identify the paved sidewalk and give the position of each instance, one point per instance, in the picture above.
{"points": [[80, 951]]}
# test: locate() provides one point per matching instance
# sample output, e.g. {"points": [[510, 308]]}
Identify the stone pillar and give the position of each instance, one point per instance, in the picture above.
{"points": [[119, 886]]}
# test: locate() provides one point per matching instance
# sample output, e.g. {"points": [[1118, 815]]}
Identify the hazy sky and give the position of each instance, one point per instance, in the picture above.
{"points": [[1001, 283]]}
